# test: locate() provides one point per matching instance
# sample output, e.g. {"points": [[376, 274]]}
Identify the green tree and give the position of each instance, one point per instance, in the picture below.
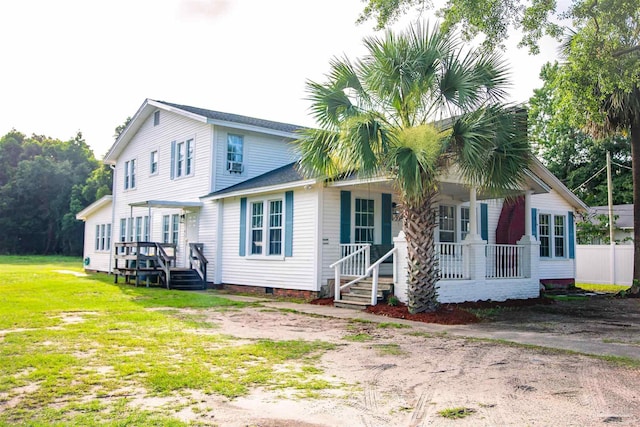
{"points": [[573, 155], [411, 108], [491, 18]]}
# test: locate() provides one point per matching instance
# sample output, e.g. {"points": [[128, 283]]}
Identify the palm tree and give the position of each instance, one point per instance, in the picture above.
{"points": [[415, 106]]}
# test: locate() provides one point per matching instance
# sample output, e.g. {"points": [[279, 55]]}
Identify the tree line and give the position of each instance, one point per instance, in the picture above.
{"points": [[44, 183]]}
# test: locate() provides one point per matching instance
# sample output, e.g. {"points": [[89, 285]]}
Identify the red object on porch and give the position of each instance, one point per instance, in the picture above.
{"points": [[511, 222]]}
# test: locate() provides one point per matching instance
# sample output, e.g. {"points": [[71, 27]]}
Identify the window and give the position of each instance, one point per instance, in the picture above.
{"points": [[138, 228], [275, 227], [129, 174], [552, 235], [184, 158], [235, 158], [447, 223], [153, 163], [146, 229], [103, 237], [266, 227], [165, 229], [156, 118], [257, 216], [175, 227], [123, 229], [464, 222], [558, 236], [364, 223]]}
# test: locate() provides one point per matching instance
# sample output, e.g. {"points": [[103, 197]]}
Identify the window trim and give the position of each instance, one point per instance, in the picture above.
{"points": [[371, 226], [156, 118], [235, 160], [183, 161], [265, 228], [130, 170], [102, 238], [552, 234], [151, 162], [453, 232]]}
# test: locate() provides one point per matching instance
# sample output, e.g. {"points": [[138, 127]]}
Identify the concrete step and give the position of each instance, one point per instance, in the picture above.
{"points": [[353, 305], [356, 297], [358, 290]]}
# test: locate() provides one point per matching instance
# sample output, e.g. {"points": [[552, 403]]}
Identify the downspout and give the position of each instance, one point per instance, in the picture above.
{"points": [[113, 215]]}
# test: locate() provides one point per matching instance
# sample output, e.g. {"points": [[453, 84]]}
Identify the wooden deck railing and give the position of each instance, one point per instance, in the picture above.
{"points": [[144, 261]]}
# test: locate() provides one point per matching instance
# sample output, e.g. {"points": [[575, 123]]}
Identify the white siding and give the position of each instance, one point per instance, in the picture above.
{"points": [[330, 251], [172, 127], [555, 268], [98, 260], [295, 272], [261, 154]]}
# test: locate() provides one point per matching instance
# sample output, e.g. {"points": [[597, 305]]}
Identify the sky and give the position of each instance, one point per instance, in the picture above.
{"points": [[78, 65]]}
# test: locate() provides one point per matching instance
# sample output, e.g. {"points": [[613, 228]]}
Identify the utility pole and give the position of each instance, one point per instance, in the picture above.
{"points": [[612, 242]]}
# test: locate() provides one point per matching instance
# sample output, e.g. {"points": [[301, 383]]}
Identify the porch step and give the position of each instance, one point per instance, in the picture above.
{"points": [[353, 305], [186, 279]]}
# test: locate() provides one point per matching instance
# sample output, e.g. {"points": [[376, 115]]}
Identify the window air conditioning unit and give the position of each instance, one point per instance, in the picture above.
{"points": [[235, 167]]}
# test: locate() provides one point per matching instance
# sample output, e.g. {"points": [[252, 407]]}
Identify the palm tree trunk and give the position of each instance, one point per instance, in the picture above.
{"points": [[635, 162], [419, 224]]}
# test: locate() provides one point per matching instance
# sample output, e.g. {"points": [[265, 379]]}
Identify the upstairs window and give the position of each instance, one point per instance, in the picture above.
{"points": [[235, 158], [130, 174], [156, 118], [153, 162], [182, 158]]}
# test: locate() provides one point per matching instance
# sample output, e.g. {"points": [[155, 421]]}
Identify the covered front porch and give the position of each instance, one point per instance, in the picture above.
{"points": [[470, 267]]}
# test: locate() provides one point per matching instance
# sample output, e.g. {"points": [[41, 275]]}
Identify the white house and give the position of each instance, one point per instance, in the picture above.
{"points": [[204, 185]]}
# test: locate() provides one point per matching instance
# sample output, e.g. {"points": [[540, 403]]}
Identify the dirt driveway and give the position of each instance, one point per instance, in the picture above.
{"points": [[387, 375]]}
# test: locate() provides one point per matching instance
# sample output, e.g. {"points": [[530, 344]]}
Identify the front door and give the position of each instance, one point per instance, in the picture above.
{"points": [[190, 233]]}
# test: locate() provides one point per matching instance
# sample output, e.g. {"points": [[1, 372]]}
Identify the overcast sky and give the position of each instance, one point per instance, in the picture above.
{"points": [[79, 65]]}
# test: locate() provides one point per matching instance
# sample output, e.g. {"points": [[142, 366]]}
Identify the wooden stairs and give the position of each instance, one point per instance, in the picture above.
{"points": [[358, 295], [186, 279]]}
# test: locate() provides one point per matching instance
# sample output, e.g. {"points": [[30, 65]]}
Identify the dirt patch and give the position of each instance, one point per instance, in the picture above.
{"points": [[446, 314]]}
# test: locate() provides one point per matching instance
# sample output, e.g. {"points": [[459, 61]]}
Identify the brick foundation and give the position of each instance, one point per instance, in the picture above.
{"points": [[276, 292], [558, 283]]}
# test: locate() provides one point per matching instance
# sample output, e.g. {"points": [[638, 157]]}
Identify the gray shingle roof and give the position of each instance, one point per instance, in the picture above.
{"points": [[236, 118], [624, 212], [282, 175]]}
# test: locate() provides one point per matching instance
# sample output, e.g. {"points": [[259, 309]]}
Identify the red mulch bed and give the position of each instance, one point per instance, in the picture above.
{"points": [[447, 314]]}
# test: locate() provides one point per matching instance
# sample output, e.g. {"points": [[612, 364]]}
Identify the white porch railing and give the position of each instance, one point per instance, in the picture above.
{"points": [[358, 258], [504, 261], [354, 262], [374, 270], [451, 260]]}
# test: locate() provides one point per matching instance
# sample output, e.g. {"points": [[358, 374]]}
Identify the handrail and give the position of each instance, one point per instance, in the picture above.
{"points": [[337, 267], [201, 260], [375, 269], [165, 263]]}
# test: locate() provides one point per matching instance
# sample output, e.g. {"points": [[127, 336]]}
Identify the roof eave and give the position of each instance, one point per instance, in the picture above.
{"points": [[260, 190], [89, 210]]}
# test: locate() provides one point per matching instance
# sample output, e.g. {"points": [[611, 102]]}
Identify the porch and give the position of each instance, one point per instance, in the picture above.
{"points": [[470, 270], [154, 263]]}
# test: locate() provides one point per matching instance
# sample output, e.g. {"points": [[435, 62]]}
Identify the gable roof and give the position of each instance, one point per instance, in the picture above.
{"points": [[283, 177], [149, 106]]}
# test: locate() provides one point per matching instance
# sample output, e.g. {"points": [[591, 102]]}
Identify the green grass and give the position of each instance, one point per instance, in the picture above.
{"points": [[74, 349], [613, 289], [359, 337], [389, 349], [455, 413]]}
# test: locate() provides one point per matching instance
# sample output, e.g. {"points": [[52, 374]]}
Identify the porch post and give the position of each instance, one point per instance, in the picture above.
{"points": [[400, 267], [474, 257]]}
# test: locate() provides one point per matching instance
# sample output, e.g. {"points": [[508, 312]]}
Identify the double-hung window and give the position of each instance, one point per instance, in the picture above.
{"points": [[266, 230], [364, 221], [175, 227], [552, 234], [130, 174], [146, 228], [184, 158], [235, 158], [153, 162], [447, 223], [138, 228], [103, 237], [464, 222], [165, 228], [97, 237]]}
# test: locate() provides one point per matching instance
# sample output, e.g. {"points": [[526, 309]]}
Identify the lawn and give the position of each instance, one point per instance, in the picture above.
{"points": [[74, 349]]}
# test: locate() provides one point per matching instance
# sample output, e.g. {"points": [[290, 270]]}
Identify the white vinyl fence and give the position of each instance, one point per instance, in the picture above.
{"points": [[604, 264]]}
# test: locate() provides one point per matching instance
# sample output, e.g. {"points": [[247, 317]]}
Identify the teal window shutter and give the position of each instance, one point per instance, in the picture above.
{"points": [[288, 223], [572, 243], [243, 226], [345, 217], [534, 222], [484, 221], [387, 212], [173, 159]]}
